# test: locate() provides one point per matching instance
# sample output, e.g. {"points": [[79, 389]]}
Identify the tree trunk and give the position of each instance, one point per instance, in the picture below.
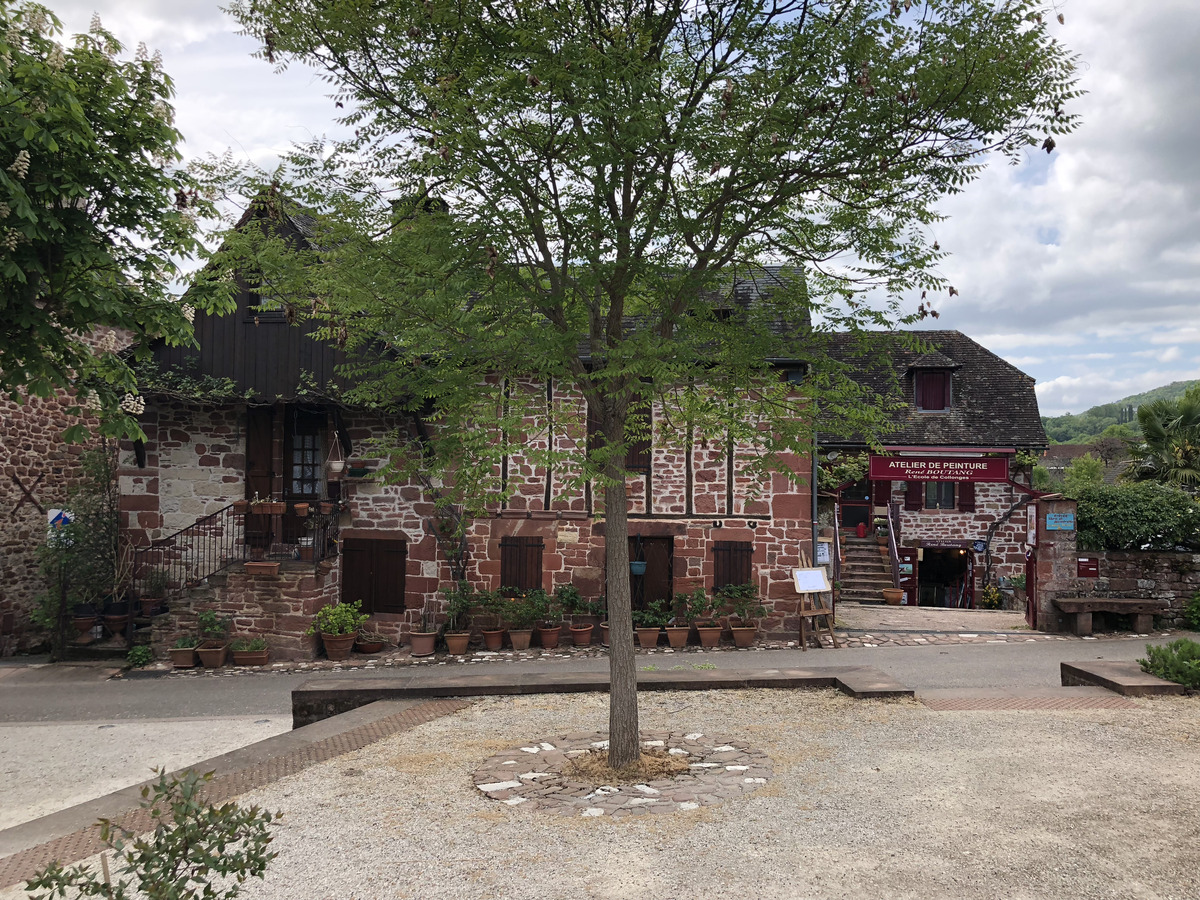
{"points": [[624, 746]]}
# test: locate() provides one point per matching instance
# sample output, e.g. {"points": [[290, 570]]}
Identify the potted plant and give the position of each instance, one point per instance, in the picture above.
{"points": [[338, 624], [423, 641], [248, 651], [213, 646], [154, 591], [585, 614], [893, 595], [183, 652], [300, 509], [492, 604], [745, 609], [369, 640], [648, 623], [459, 600], [84, 617], [520, 616], [678, 627], [700, 612], [240, 507], [261, 567], [549, 618], [267, 507]]}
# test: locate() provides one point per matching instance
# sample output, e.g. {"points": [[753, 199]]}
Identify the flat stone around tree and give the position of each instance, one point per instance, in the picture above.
{"points": [[538, 776]]}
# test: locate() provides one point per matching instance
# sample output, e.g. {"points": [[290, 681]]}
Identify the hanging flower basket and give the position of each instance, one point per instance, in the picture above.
{"points": [[637, 567]]}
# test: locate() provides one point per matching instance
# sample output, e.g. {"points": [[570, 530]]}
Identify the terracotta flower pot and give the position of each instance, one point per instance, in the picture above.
{"points": [[677, 636], [647, 637], [520, 637], [183, 657], [241, 506], [301, 509], [368, 646], [710, 635], [604, 633], [457, 641], [422, 642], [338, 646], [262, 568], [84, 624], [250, 657], [581, 635], [549, 637], [150, 605], [212, 654], [743, 635], [893, 596], [493, 639]]}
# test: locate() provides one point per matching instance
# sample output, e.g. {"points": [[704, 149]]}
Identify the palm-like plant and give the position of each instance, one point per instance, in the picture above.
{"points": [[1169, 452]]}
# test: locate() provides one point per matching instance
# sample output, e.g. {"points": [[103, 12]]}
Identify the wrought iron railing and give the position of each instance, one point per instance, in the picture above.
{"points": [[230, 536], [894, 541]]}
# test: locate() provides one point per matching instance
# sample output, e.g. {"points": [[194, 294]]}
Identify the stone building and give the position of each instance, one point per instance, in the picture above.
{"points": [[952, 487]]}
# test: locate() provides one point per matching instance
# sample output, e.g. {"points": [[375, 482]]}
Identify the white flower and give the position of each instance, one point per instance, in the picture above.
{"points": [[12, 34], [5, 209], [133, 404], [20, 165], [89, 399], [156, 60], [10, 239], [56, 58], [189, 313], [37, 21], [107, 342], [95, 27], [162, 110], [141, 54]]}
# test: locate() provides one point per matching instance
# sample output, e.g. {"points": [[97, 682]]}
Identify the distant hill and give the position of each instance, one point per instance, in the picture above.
{"points": [[1080, 428]]}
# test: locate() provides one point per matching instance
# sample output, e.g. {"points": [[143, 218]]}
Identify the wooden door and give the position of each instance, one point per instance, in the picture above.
{"points": [[373, 572], [656, 584]]}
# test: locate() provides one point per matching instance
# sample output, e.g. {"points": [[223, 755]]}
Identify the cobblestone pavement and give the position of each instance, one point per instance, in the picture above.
{"points": [[538, 776]]}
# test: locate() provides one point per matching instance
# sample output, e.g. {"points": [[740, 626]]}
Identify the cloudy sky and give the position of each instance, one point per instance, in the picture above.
{"points": [[1082, 268]]}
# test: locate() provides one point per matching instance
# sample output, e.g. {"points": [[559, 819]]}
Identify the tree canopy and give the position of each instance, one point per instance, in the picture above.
{"points": [[1169, 451], [94, 219], [574, 190]]}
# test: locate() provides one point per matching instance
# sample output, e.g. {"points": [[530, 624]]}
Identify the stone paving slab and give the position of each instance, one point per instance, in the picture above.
{"points": [[72, 835], [1051, 698], [319, 699], [1119, 676]]}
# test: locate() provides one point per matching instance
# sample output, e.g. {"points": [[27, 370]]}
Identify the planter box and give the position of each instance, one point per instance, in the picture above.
{"points": [[183, 657], [648, 637], [250, 657], [262, 568], [212, 654]]}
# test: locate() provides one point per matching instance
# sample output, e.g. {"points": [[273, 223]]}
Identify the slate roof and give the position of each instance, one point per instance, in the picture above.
{"points": [[993, 403]]}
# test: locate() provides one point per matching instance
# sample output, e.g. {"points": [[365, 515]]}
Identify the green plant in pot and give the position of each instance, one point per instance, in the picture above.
{"points": [[549, 618], [520, 615], [648, 623], [154, 591], [338, 624], [183, 651], [369, 640], [743, 603], [423, 638], [700, 611], [213, 645], [585, 614], [458, 602], [678, 628], [250, 651]]}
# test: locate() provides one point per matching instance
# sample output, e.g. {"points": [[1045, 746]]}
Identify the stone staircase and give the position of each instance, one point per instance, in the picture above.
{"points": [[866, 570]]}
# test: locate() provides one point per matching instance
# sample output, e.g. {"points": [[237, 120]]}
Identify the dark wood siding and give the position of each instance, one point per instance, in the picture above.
{"points": [[521, 562], [373, 572], [732, 563]]}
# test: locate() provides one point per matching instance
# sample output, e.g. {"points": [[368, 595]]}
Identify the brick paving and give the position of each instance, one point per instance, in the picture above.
{"points": [[971, 704], [81, 844], [538, 776]]}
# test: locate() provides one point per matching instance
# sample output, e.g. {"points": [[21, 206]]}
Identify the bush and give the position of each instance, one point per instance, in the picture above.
{"points": [[338, 618], [991, 598], [191, 845], [1141, 516], [139, 656], [1191, 612], [1178, 661]]}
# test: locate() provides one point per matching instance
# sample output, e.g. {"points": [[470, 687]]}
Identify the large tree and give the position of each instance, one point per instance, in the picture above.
{"points": [[94, 216], [578, 184], [1169, 451]]}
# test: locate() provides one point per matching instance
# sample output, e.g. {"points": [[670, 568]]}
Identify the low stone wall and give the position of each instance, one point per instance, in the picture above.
{"points": [[1142, 574]]}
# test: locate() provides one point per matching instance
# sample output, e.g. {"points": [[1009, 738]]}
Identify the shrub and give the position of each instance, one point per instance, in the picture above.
{"points": [[990, 597], [192, 845], [338, 618], [186, 642], [1178, 661], [252, 645], [139, 656], [1191, 612], [211, 626], [1141, 516]]}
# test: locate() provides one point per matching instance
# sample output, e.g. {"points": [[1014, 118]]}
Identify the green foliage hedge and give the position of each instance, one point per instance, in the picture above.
{"points": [[1141, 516], [1178, 661]]}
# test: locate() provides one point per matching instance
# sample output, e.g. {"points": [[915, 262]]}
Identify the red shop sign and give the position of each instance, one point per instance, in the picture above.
{"points": [[938, 468]]}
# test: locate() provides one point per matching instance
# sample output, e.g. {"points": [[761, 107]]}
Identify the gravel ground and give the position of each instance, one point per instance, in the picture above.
{"points": [[868, 799], [45, 767]]}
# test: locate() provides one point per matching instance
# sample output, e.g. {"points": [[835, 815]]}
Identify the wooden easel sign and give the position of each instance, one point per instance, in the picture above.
{"points": [[811, 581]]}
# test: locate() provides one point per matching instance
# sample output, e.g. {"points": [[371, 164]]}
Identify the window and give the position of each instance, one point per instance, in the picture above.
{"points": [[932, 391], [732, 563], [521, 562], [303, 453], [939, 495], [637, 455]]}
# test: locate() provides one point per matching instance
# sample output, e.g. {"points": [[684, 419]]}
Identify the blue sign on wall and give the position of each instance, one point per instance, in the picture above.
{"points": [[1060, 521]]}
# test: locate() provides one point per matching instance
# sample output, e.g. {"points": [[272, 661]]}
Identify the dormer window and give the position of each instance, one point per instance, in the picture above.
{"points": [[932, 388]]}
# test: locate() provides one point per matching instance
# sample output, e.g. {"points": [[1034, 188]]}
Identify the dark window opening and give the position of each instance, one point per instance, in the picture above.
{"points": [[932, 391], [939, 495], [732, 563], [521, 563], [303, 454]]}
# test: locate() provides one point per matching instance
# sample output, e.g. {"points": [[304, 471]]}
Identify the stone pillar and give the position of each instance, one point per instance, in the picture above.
{"points": [[1056, 560]]}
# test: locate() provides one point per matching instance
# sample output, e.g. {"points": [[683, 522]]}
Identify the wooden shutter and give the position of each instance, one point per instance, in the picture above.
{"points": [[914, 495], [356, 573], [881, 493], [732, 562], [373, 571], [966, 496], [521, 562], [932, 390], [637, 456]]}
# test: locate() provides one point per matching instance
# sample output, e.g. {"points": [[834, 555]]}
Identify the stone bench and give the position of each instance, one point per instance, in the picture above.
{"points": [[1143, 611]]}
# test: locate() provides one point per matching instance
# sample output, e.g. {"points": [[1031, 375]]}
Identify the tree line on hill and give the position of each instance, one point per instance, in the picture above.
{"points": [[1117, 419]]}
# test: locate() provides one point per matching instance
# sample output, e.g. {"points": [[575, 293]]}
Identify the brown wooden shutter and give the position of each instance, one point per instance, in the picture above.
{"points": [[373, 571], [966, 496], [521, 562], [637, 456], [733, 562], [914, 495], [356, 574], [881, 493], [919, 389], [389, 564], [593, 429], [946, 390]]}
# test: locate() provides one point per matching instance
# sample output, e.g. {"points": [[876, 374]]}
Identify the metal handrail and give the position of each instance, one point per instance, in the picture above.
{"points": [[894, 540]]}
